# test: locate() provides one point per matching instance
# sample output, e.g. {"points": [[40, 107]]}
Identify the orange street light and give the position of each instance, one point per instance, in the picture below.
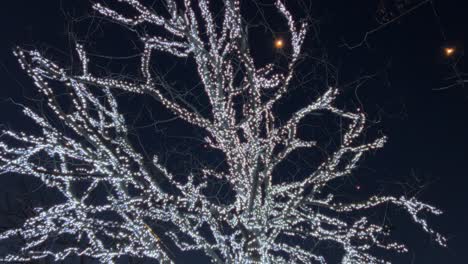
{"points": [[449, 51], [279, 43]]}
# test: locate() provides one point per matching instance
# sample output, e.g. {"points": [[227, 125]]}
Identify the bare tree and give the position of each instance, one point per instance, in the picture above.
{"points": [[90, 155]]}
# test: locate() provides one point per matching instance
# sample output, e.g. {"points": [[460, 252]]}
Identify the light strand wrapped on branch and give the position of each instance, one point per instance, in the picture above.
{"points": [[91, 149]]}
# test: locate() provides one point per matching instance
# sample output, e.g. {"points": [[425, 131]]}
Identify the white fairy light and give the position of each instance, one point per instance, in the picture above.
{"points": [[95, 152]]}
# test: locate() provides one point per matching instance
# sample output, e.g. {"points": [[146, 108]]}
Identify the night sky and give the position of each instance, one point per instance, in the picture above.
{"points": [[395, 77]]}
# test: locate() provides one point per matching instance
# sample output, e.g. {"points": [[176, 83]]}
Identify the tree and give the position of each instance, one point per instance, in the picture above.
{"points": [[143, 209]]}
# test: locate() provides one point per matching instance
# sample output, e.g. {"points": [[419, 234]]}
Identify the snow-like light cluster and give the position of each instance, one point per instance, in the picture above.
{"points": [[89, 155]]}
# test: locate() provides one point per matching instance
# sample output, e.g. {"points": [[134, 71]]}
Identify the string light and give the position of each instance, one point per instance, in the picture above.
{"points": [[93, 151]]}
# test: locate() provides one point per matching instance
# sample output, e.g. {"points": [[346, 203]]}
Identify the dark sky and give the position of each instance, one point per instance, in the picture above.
{"points": [[427, 151]]}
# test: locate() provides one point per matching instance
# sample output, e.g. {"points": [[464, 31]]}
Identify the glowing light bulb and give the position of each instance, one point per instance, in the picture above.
{"points": [[449, 51], [279, 43]]}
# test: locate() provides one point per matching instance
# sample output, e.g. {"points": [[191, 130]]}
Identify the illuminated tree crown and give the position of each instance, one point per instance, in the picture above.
{"points": [[264, 220]]}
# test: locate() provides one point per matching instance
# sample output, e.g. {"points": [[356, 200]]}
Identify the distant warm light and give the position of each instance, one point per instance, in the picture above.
{"points": [[279, 43], [449, 51]]}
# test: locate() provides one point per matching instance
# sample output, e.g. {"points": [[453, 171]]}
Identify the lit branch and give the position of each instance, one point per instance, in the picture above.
{"points": [[83, 152]]}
